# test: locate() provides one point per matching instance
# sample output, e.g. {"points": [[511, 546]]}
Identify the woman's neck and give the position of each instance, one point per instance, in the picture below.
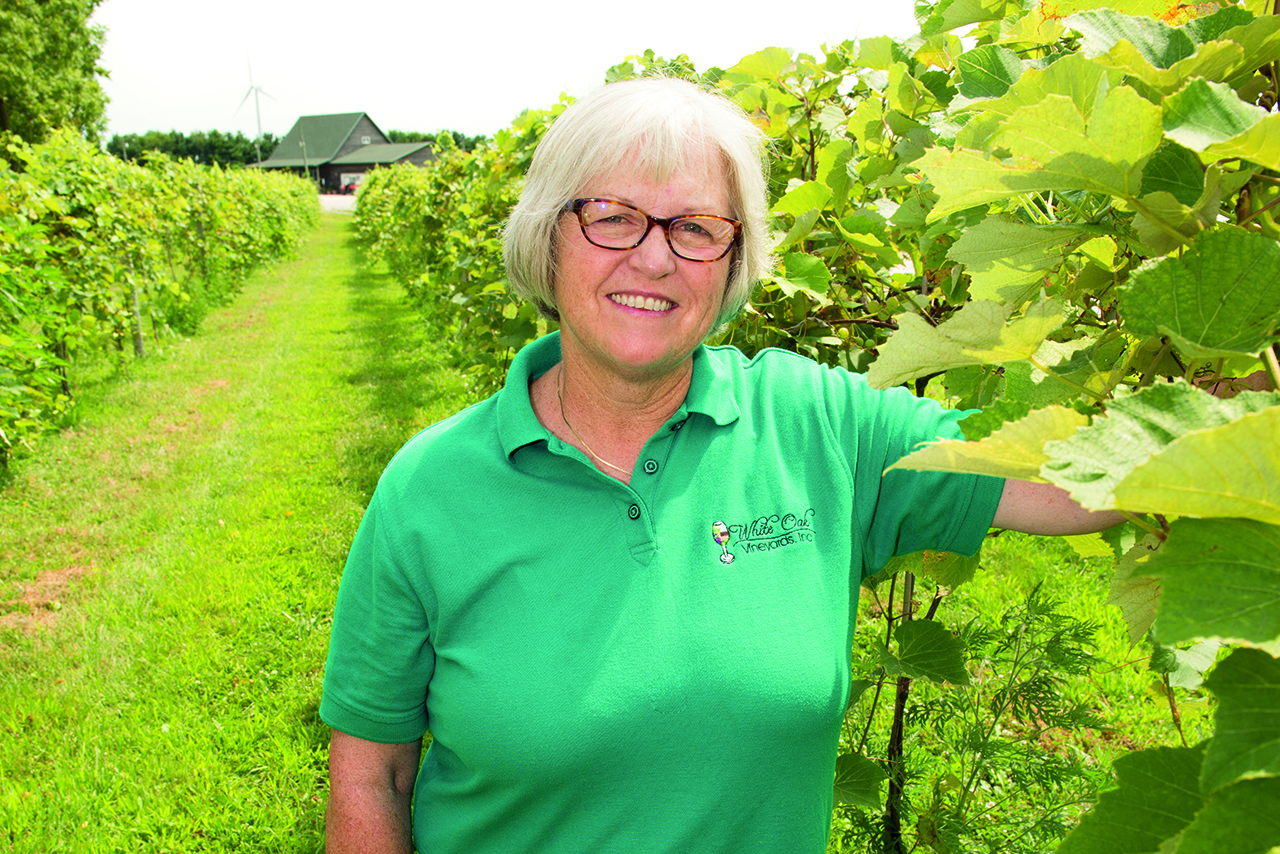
{"points": [[607, 417]]}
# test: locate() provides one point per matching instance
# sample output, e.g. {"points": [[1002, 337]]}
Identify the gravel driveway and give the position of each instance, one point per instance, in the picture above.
{"points": [[339, 203]]}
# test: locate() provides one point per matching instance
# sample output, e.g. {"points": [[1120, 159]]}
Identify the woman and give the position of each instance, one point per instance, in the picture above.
{"points": [[620, 593]]}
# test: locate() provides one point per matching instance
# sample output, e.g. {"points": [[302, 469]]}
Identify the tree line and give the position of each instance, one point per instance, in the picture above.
{"points": [[207, 147], [460, 140]]}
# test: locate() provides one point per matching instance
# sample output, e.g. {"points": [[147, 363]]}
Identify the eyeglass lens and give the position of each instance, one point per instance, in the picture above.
{"points": [[614, 225]]}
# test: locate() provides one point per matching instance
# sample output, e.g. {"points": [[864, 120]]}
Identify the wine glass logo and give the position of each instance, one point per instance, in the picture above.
{"points": [[720, 533]]}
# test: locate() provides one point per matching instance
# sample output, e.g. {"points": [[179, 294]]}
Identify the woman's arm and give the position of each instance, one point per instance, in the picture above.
{"points": [[370, 789], [1042, 508]]}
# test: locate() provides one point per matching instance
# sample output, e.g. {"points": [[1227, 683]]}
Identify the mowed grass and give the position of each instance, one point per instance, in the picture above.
{"points": [[168, 568]]}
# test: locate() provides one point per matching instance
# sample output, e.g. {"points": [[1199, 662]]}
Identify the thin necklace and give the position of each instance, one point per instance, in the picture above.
{"points": [[565, 418]]}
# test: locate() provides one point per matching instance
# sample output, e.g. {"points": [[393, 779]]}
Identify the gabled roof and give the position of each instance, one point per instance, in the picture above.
{"points": [[380, 153], [324, 135]]}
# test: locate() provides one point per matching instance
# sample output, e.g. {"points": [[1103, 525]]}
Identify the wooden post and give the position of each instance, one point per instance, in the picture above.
{"points": [[139, 344]]}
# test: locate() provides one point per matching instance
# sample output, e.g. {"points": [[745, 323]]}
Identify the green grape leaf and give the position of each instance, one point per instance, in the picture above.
{"points": [[857, 688], [988, 71], [1052, 147], [949, 569], [833, 169], [903, 92], [1159, 214], [947, 15], [1220, 579], [1157, 796], [1136, 595], [1189, 665], [1215, 61], [1246, 741], [803, 272], [867, 125], [809, 196], [974, 335], [1210, 118], [1231, 470], [1077, 361], [769, 63], [1157, 42], [1259, 144], [1204, 113], [943, 568], [879, 52], [1176, 171], [799, 230], [1007, 260], [980, 424], [1072, 76], [1162, 218], [1231, 56], [858, 781], [1088, 545], [1220, 298], [868, 236], [1016, 450], [1240, 819], [1260, 40], [1137, 426], [1213, 27], [926, 650]]}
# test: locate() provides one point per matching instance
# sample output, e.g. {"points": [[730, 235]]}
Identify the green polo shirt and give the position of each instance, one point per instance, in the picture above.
{"points": [[660, 667]]}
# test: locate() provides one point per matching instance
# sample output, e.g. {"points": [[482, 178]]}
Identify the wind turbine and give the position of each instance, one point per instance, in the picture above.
{"points": [[254, 91]]}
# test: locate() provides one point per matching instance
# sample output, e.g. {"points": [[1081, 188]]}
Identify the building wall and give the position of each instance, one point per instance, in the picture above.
{"points": [[330, 176], [364, 128], [421, 156]]}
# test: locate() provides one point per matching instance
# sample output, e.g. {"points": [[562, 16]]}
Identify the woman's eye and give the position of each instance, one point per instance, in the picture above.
{"points": [[690, 228]]}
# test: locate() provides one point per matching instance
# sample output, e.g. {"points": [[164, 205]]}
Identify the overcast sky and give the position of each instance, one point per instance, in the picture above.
{"points": [[466, 65]]}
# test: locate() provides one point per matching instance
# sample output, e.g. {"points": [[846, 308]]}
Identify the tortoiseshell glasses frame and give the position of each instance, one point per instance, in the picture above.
{"points": [[611, 224]]}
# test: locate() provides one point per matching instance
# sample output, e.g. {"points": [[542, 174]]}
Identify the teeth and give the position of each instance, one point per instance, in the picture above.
{"points": [[646, 303]]}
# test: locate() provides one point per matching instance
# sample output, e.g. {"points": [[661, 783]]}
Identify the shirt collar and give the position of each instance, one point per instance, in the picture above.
{"points": [[517, 424], [710, 392]]}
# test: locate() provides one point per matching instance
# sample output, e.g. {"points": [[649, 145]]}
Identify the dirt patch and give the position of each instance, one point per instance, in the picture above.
{"points": [[43, 598]]}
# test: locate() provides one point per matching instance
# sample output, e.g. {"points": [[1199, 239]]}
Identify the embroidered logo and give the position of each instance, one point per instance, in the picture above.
{"points": [[763, 534], [720, 533]]}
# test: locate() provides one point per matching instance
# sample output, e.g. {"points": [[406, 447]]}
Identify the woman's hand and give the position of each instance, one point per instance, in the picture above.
{"points": [[1042, 508], [370, 789]]}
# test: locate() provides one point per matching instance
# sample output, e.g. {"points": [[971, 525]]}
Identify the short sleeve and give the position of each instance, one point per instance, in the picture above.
{"points": [[901, 511], [380, 655]]}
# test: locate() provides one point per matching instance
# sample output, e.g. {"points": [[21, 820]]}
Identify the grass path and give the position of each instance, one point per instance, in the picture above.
{"points": [[168, 568]]}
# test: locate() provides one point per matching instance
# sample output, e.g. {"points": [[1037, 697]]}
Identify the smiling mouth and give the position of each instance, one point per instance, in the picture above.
{"points": [[644, 303]]}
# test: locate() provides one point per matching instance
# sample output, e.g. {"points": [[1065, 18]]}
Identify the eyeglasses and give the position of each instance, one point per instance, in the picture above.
{"points": [[615, 225]]}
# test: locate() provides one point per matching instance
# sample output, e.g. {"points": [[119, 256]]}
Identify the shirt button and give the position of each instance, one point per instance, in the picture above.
{"points": [[634, 511], [650, 466], [677, 426]]}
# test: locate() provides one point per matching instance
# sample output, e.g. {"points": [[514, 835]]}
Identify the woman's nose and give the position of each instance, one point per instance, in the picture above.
{"points": [[654, 256]]}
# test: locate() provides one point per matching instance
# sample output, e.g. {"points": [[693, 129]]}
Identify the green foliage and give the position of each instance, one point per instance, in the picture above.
{"points": [[209, 148], [49, 69], [1069, 220], [987, 727], [437, 228], [92, 249]]}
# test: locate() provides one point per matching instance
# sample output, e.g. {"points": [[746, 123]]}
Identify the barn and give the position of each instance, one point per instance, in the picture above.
{"points": [[338, 149]]}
